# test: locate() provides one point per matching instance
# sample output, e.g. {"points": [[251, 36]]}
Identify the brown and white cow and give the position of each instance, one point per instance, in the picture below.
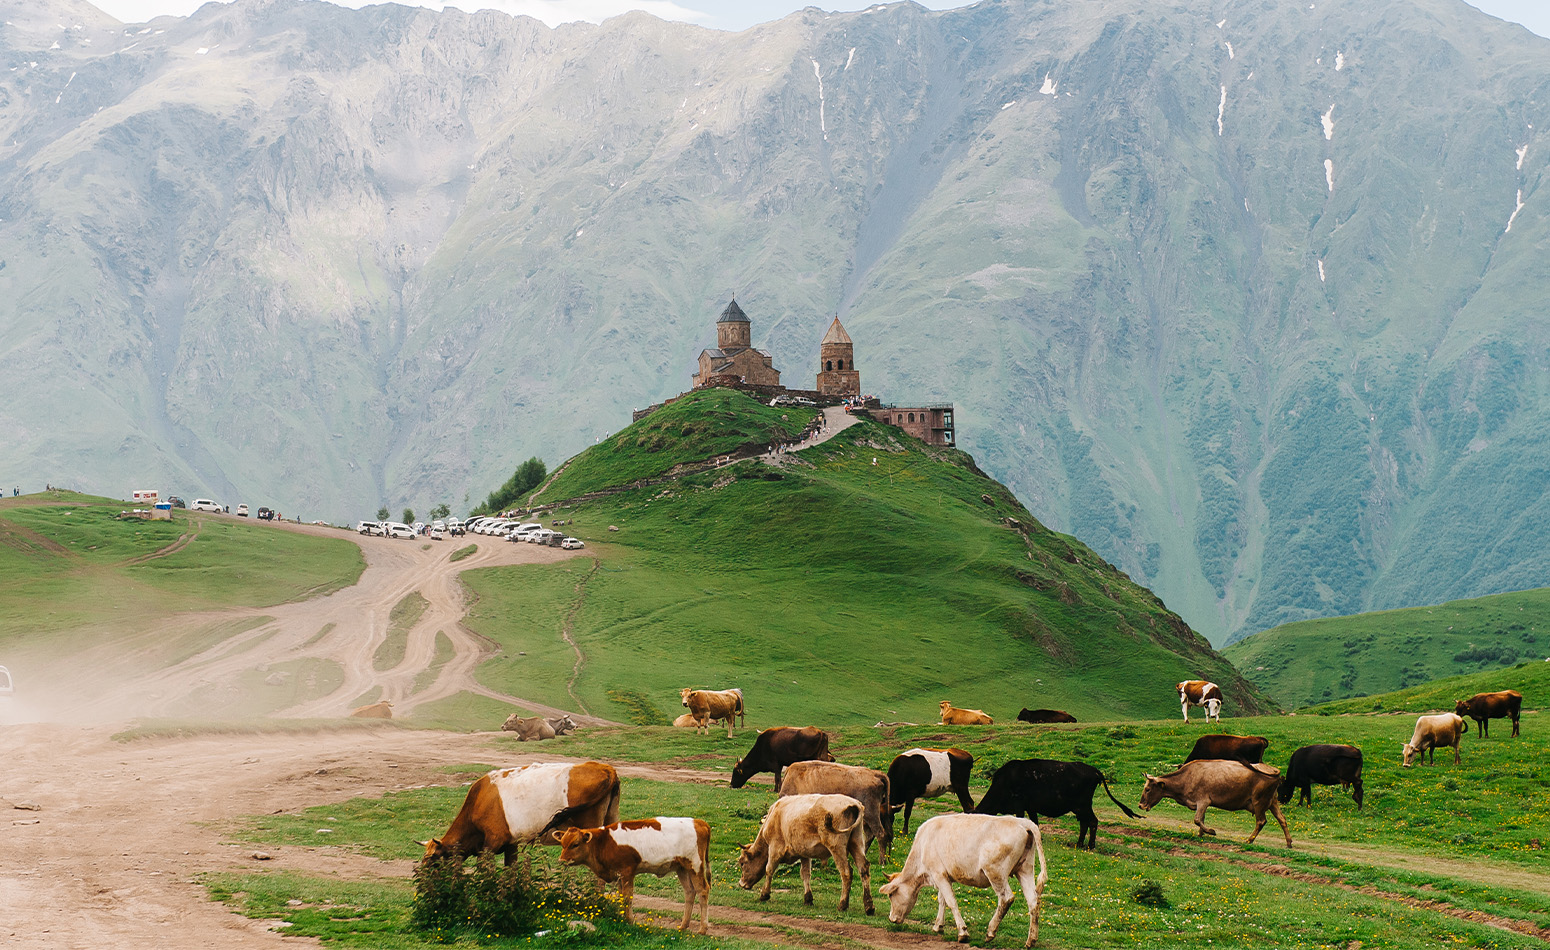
{"points": [[1432, 733], [867, 786], [953, 716], [378, 710], [659, 846], [928, 773], [1201, 693], [708, 704], [804, 827], [510, 807], [1483, 707], [1220, 783], [977, 850]]}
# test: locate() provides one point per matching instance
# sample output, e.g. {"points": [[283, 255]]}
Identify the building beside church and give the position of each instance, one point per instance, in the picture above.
{"points": [[734, 356], [837, 375]]}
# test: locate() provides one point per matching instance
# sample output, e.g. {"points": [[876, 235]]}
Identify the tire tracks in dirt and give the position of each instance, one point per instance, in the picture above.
{"points": [[567, 626]]}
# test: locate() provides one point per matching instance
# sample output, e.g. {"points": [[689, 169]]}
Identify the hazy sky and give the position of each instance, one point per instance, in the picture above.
{"points": [[721, 14]]}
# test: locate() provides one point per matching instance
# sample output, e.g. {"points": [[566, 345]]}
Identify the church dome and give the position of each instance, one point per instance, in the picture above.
{"points": [[733, 314]]}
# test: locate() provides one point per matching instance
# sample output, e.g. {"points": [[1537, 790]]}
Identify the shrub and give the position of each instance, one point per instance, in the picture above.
{"points": [[1149, 893], [490, 900]]}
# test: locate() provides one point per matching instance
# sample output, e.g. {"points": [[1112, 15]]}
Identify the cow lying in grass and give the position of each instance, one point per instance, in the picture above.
{"points": [[659, 846], [977, 850]]}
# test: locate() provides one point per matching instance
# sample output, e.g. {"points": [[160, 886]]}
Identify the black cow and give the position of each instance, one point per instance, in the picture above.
{"points": [[777, 748], [1245, 749], [928, 773], [1322, 765], [1051, 788], [1045, 715]]}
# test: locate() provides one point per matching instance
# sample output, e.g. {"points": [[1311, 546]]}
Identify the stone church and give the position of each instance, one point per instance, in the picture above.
{"points": [[733, 355]]}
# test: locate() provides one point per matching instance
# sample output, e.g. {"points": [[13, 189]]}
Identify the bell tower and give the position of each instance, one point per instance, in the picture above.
{"points": [[837, 374], [733, 330]]}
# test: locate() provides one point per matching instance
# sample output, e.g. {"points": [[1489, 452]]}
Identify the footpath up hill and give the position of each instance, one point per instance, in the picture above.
{"points": [[863, 579]]}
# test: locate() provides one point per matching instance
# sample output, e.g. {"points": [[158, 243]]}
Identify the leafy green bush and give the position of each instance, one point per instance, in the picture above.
{"points": [[531, 894]]}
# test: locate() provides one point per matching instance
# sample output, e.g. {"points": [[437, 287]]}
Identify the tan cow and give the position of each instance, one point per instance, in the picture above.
{"points": [[1220, 783], [867, 786], [659, 846], [708, 704], [1432, 732], [953, 716], [378, 710], [506, 808], [804, 827], [686, 721], [529, 728]]}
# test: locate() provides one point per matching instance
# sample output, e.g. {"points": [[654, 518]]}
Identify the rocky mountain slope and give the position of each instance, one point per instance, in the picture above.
{"points": [[1248, 297]]}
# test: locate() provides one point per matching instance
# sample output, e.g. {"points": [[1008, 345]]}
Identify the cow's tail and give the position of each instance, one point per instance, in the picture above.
{"points": [[1122, 806], [1033, 847], [848, 818]]}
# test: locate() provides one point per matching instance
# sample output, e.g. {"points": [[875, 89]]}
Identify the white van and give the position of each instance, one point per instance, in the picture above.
{"points": [[397, 529]]}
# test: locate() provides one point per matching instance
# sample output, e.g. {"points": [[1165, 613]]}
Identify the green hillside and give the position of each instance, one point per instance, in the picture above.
{"points": [[866, 579], [1319, 661], [1531, 679]]}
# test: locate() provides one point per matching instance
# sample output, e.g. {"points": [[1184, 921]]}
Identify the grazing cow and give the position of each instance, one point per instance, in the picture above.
{"points": [[1044, 715], [378, 710], [708, 704], [1246, 749], [1483, 707], [510, 807], [1432, 732], [928, 773], [1322, 765], [953, 716], [1201, 693], [528, 729], [867, 786], [1220, 783], [977, 850], [804, 827], [1051, 788], [777, 748], [659, 846]]}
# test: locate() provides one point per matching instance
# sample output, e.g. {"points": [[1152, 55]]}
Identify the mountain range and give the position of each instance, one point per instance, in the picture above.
{"points": [[1247, 296]]}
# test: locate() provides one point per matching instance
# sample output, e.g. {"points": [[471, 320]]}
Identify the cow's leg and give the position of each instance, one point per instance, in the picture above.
{"points": [[1087, 826], [909, 803], [858, 855], [1200, 819], [1455, 752], [777, 780], [689, 881], [1484, 725], [944, 893], [704, 886], [1259, 822], [1003, 889], [771, 862], [1305, 795], [962, 788], [807, 884], [627, 894], [1028, 877], [1514, 725], [842, 864], [1185, 704], [1275, 809]]}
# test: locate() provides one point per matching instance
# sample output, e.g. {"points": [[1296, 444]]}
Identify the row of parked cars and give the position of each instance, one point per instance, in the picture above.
{"points": [[513, 529], [436, 530]]}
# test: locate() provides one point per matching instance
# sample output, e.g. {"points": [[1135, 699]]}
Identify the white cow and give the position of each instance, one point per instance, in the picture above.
{"points": [[977, 850], [1431, 733]]}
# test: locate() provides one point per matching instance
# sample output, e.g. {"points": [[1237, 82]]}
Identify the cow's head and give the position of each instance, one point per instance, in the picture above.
{"points": [[575, 844], [436, 850], [901, 898], [1152, 793], [750, 867], [740, 775], [1284, 790], [1461, 708], [683, 694], [1213, 709], [1410, 752]]}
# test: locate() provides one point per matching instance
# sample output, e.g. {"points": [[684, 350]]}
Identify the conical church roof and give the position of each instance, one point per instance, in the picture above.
{"points": [[836, 333], [733, 314]]}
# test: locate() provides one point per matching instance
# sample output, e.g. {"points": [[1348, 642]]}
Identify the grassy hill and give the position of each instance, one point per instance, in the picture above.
{"points": [[865, 579], [1320, 661], [1530, 679]]}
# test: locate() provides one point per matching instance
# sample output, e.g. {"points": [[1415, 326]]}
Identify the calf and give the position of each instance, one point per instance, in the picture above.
{"points": [[928, 773], [1431, 732], [510, 807], [1201, 693], [804, 827], [1247, 749], [708, 704], [1483, 707], [659, 846], [1044, 715], [1220, 783], [867, 786], [1322, 765], [777, 748], [1051, 788], [953, 716], [977, 850]]}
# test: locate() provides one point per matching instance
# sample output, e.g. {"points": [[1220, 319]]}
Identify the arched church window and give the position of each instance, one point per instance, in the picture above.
{"points": [[842, 364], [912, 417], [828, 365]]}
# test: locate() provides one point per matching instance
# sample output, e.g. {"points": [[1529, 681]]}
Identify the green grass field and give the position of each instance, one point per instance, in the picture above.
{"points": [[1433, 844], [1338, 658]]}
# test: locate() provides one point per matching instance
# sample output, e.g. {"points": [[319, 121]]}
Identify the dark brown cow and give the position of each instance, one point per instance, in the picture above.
{"points": [[659, 846], [777, 748], [1483, 707], [867, 786], [1322, 765], [510, 807], [1220, 783], [1201, 693], [1045, 715], [1242, 748], [1051, 788], [929, 773]]}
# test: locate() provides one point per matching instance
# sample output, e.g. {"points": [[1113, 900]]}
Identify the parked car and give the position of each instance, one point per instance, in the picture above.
{"points": [[455, 527], [369, 527], [419, 528], [6, 687], [573, 544], [266, 514], [541, 535], [397, 529], [176, 502], [205, 504], [242, 511], [436, 533]]}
